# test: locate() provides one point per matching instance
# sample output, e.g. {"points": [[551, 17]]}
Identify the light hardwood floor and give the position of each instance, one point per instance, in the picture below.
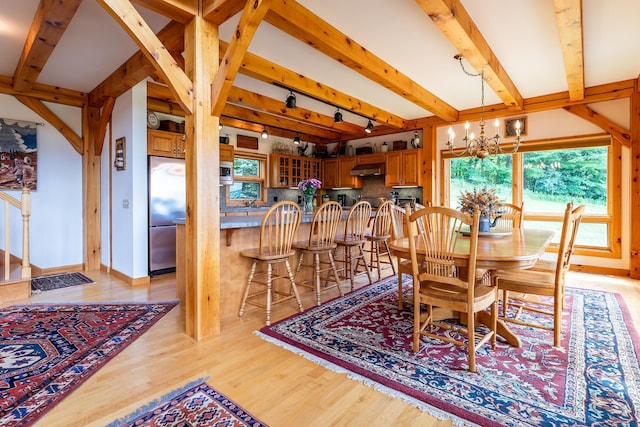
{"points": [[275, 385]]}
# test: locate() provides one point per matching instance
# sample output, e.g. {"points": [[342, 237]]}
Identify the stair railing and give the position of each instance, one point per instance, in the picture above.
{"points": [[24, 205]]}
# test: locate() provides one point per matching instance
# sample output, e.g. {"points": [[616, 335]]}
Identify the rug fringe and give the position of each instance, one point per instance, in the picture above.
{"points": [[156, 402], [424, 407]]}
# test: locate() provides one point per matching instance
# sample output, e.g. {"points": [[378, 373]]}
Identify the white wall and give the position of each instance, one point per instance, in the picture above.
{"points": [[129, 187], [56, 218]]}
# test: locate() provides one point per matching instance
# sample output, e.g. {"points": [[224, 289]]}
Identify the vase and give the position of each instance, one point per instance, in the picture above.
{"points": [[485, 224], [307, 206]]}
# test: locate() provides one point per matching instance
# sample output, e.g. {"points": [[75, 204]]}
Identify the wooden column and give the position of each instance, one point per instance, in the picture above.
{"points": [[91, 188], [634, 261], [428, 167], [203, 190]]}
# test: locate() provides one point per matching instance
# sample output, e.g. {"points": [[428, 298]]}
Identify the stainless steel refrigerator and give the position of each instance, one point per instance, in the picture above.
{"points": [[167, 201]]}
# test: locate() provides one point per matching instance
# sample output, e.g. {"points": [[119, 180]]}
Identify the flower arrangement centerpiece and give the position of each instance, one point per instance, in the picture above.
{"points": [[487, 202], [309, 188]]}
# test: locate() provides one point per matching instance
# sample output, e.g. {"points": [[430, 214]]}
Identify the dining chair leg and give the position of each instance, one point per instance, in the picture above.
{"points": [[367, 268], [557, 321], [316, 270], [335, 273], [388, 253], [268, 305], [494, 323], [294, 288], [471, 343], [247, 288]]}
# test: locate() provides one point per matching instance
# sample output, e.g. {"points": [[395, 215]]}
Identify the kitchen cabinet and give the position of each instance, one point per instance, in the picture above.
{"points": [[226, 153], [331, 173], [371, 159], [166, 144], [402, 168], [287, 171], [337, 173]]}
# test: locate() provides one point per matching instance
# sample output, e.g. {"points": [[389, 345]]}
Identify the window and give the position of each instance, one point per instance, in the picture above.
{"points": [[545, 175], [249, 179]]}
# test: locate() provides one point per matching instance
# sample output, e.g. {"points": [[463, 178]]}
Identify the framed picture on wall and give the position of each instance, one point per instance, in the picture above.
{"points": [[244, 141], [510, 126]]}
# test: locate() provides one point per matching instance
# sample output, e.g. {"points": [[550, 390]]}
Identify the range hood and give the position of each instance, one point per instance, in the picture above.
{"points": [[368, 170]]}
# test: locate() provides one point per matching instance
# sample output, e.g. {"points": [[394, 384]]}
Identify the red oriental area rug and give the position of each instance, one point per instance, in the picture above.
{"points": [[594, 379], [196, 404], [48, 350]]}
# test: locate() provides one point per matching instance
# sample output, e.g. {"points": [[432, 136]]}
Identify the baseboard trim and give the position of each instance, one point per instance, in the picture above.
{"points": [[600, 270], [59, 270], [138, 281]]}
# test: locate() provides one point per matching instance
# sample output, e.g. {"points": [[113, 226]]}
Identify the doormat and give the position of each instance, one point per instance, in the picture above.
{"points": [[57, 281], [593, 379], [49, 350], [196, 404]]}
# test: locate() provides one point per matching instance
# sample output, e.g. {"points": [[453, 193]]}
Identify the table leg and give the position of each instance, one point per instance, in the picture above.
{"points": [[502, 328]]}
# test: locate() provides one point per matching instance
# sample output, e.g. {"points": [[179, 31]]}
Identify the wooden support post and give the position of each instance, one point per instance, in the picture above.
{"points": [[634, 257]]}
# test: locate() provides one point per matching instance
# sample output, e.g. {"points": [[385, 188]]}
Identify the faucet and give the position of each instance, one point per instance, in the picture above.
{"points": [[251, 203]]}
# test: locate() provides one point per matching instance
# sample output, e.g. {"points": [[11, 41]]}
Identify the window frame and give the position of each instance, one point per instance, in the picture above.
{"points": [[612, 218], [261, 178]]}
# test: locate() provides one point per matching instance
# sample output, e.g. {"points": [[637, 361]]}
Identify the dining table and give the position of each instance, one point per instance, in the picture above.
{"points": [[499, 250]]}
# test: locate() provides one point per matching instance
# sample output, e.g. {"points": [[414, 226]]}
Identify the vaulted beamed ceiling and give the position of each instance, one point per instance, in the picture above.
{"points": [[389, 62]]}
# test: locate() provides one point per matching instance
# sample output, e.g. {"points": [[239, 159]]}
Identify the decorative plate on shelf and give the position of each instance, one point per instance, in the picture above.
{"points": [[153, 122]]}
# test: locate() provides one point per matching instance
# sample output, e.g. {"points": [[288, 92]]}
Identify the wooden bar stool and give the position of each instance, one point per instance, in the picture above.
{"points": [[277, 232], [350, 244], [377, 239], [323, 231]]}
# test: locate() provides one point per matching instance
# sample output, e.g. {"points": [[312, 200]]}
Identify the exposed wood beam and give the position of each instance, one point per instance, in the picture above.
{"points": [[178, 10], [46, 93], [164, 64], [137, 67], [164, 107], [105, 117], [456, 24], [600, 93], [43, 111], [251, 17], [254, 116], [569, 21], [273, 131], [619, 133], [269, 72], [302, 24], [275, 106], [49, 24], [219, 11]]}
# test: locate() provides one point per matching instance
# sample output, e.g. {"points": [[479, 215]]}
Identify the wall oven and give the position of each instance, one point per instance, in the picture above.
{"points": [[226, 173]]}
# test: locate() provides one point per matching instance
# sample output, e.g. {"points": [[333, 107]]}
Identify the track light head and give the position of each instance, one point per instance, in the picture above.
{"points": [[291, 100], [296, 139], [264, 133], [337, 116], [369, 127]]}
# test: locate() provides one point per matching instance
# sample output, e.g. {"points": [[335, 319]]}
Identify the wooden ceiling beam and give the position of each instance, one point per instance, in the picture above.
{"points": [[456, 24], [46, 93], [182, 11], [301, 23], [273, 131], [49, 24], [105, 117], [569, 22], [272, 73], [164, 64], [219, 11], [43, 111], [276, 106], [137, 67], [600, 93], [247, 114], [618, 132], [251, 17]]}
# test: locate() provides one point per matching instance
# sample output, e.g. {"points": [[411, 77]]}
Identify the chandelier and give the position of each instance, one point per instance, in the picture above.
{"points": [[482, 146]]}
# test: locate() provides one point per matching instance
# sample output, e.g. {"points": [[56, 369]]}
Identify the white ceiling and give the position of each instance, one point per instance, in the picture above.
{"points": [[522, 34]]}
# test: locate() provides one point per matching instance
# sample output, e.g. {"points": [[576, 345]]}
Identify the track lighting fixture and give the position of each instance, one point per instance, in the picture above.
{"points": [[219, 126], [369, 127], [264, 133], [337, 116], [291, 100], [296, 139]]}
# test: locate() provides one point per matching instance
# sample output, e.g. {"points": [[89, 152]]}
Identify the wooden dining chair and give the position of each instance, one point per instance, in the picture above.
{"points": [[277, 232], [322, 233], [398, 227], [349, 252], [509, 216], [377, 239], [541, 282], [444, 275]]}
